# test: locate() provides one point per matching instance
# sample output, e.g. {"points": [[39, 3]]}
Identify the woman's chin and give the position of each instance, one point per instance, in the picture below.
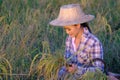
{"points": [[72, 36]]}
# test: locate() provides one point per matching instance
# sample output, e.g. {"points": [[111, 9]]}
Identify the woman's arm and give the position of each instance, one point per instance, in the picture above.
{"points": [[97, 52]]}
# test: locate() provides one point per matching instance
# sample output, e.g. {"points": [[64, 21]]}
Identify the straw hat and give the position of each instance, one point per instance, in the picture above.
{"points": [[71, 14]]}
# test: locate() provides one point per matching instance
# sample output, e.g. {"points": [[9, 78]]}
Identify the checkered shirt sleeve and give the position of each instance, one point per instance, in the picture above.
{"points": [[97, 52]]}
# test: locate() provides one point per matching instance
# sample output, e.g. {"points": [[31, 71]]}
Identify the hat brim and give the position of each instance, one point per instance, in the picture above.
{"points": [[62, 23]]}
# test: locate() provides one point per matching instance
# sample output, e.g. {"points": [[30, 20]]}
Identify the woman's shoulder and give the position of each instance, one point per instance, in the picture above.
{"points": [[90, 35], [93, 39]]}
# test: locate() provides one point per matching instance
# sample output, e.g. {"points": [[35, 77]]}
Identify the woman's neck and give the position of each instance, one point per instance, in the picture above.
{"points": [[79, 34], [78, 38]]}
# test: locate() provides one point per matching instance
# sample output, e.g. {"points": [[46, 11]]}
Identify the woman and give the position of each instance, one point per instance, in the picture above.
{"points": [[81, 45]]}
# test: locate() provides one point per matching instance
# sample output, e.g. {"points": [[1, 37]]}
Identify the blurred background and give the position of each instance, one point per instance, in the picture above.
{"points": [[25, 33]]}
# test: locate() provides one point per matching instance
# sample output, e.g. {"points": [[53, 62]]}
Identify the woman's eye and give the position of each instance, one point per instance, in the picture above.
{"points": [[68, 29]]}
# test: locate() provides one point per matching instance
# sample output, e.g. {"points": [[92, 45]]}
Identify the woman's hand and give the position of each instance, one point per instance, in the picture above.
{"points": [[72, 68]]}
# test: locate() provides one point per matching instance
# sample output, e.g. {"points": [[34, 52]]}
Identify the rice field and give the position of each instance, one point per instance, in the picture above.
{"points": [[28, 42]]}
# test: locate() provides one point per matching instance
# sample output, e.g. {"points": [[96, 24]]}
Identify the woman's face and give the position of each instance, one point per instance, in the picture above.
{"points": [[72, 30]]}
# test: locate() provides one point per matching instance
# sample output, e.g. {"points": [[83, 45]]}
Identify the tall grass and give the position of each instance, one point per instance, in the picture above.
{"points": [[5, 68], [25, 33], [48, 65]]}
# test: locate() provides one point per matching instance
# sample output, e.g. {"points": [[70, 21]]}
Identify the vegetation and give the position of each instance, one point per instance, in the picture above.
{"points": [[5, 68], [27, 40]]}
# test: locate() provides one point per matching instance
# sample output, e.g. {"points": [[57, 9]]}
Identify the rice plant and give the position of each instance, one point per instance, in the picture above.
{"points": [[48, 65], [98, 75], [5, 68]]}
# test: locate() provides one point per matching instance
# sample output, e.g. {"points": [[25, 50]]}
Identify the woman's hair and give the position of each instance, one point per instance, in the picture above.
{"points": [[87, 26]]}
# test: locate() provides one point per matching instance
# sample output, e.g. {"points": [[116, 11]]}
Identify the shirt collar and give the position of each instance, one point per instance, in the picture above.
{"points": [[83, 39], [85, 33]]}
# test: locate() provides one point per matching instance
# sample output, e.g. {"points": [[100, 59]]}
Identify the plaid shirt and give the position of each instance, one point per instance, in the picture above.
{"points": [[88, 49]]}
